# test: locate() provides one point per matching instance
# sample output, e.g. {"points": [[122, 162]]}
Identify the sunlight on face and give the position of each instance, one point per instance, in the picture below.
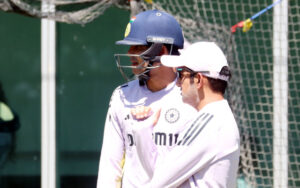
{"points": [[188, 87], [189, 92]]}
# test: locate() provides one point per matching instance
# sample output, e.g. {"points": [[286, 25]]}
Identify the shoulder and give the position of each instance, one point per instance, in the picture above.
{"points": [[124, 87], [218, 108], [225, 120], [128, 86], [124, 91]]}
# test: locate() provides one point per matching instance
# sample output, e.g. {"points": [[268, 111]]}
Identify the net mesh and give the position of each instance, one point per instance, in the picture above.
{"points": [[67, 11], [251, 60]]}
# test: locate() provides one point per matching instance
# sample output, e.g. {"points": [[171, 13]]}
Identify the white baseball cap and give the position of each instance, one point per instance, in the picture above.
{"points": [[204, 57]]}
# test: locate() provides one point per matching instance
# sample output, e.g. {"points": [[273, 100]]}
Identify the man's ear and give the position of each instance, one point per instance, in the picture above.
{"points": [[199, 78]]}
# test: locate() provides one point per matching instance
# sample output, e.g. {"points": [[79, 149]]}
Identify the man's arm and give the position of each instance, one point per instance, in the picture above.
{"points": [[178, 165], [197, 149], [112, 152]]}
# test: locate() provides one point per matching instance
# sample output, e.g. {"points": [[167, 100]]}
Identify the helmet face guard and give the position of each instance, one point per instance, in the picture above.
{"points": [[138, 65], [130, 72]]}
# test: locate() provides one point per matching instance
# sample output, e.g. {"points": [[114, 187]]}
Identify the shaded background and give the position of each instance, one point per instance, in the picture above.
{"points": [[86, 77]]}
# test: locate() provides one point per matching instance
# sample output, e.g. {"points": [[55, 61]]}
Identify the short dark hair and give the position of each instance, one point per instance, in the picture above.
{"points": [[218, 85]]}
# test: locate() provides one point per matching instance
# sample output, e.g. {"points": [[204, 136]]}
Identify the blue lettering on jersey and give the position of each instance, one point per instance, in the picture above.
{"points": [[160, 138]]}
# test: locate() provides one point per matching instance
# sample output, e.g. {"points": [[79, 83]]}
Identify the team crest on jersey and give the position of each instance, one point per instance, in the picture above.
{"points": [[172, 115]]}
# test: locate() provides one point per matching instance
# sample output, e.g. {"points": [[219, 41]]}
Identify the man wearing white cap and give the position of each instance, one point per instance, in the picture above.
{"points": [[207, 154]]}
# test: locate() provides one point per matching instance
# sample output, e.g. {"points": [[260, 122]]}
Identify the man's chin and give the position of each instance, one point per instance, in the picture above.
{"points": [[185, 100]]}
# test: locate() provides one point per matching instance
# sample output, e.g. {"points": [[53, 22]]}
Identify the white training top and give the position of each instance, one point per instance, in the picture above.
{"points": [[118, 136], [207, 153]]}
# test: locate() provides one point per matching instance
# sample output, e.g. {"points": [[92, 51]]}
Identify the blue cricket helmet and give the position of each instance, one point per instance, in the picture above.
{"points": [[153, 26]]}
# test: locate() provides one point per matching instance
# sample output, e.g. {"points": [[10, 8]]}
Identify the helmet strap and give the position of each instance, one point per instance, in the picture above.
{"points": [[144, 77]]}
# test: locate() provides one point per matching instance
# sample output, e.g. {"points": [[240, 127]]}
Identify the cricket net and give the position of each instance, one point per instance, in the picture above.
{"points": [[251, 58]]}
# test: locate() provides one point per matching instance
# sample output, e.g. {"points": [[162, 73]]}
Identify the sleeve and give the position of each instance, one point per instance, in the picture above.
{"points": [[192, 154], [112, 152], [183, 162]]}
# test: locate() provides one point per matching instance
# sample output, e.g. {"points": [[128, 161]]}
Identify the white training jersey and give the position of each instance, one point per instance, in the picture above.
{"points": [[118, 140], [207, 152]]}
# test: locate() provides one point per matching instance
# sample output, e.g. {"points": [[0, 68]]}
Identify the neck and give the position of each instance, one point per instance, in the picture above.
{"points": [[209, 98], [157, 83]]}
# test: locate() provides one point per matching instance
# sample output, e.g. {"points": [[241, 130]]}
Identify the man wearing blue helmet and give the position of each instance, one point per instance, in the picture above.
{"points": [[150, 35]]}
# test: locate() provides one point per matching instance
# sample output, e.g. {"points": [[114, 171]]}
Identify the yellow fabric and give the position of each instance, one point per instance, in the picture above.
{"points": [[5, 112], [247, 25], [119, 180]]}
